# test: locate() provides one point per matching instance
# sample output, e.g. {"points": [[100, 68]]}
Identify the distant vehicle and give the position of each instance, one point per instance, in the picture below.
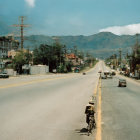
{"points": [[109, 76], [4, 75], [113, 73], [84, 73], [103, 76], [106, 73], [77, 70], [122, 83], [122, 72], [100, 71]]}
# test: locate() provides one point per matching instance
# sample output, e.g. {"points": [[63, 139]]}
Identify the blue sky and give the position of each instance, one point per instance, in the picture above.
{"points": [[73, 17]]}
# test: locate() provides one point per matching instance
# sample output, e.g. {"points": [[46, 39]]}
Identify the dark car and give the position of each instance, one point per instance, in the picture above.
{"points": [[100, 71], [122, 83], [113, 73], [84, 73], [4, 75]]}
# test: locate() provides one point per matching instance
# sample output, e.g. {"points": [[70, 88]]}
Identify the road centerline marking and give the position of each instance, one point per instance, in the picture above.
{"points": [[99, 128], [32, 82]]}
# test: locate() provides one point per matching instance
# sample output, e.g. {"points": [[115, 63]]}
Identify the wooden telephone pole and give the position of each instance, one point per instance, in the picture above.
{"points": [[22, 26], [120, 55]]}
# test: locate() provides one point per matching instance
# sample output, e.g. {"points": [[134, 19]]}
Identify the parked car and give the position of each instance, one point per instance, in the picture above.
{"points": [[4, 75], [122, 83]]}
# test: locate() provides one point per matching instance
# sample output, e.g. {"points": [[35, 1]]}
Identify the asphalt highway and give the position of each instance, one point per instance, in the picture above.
{"points": [[120, 109], [51, 107], [46, 107]]}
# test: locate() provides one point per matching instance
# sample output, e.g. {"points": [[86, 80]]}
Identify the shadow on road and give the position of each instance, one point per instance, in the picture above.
{"points": [[82, 131]]}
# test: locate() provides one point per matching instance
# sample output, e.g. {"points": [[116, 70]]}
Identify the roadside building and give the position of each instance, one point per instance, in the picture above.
{"points": [[12, 53], [7, 43], [74, 59]]}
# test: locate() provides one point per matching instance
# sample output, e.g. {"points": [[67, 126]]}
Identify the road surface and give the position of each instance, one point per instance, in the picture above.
{"points": [[120, 109], [46, 107], [51, 107]]}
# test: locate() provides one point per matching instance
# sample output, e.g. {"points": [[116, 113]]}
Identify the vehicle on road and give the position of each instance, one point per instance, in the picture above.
{"points": [[113, 73], [122, 83], [103, 76], [84, 73], [106, 73], [91, 124], [109, 76], [100, 71], [122, 72], [4, 75], [90, 120]]}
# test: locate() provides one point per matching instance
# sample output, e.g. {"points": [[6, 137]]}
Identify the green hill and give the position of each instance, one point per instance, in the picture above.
{"points": [[100, 45]]}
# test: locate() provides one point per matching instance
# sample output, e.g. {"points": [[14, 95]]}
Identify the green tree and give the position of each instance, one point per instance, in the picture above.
{"points": [[20, 59], [53, 56]]}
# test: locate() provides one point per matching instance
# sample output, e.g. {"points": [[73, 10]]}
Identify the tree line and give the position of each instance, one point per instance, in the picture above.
{"points": [[52, 55]]}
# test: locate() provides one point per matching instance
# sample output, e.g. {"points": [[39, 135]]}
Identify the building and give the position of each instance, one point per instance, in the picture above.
{"points": [[7, 43], [74, 59], [12, 53]]}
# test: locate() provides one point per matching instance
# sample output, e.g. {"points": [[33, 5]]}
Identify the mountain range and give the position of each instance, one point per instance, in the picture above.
{"points": [[100, 45]]}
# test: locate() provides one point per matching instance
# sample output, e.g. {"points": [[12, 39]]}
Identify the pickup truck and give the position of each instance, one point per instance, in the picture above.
{"points": [[4, 75]]}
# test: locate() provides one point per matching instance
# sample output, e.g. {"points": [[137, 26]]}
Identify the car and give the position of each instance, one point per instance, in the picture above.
{"points": [[103, 76], [122, 83], [122, 72], [106, 73], [113, 73], [100, 71], [84, 73], [109, 76], [4, 75]]}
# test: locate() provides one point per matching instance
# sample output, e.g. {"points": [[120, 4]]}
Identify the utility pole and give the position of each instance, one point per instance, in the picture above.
{"points": [[136, 46], [56, 39], [22, 26], [120, 53]]}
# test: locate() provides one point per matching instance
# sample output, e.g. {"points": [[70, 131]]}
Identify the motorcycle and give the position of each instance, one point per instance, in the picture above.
{"points": [[91, 124]]}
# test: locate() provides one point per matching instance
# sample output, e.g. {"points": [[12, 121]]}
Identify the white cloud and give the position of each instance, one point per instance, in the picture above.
{"points": [[131, 29], [30, 3]]}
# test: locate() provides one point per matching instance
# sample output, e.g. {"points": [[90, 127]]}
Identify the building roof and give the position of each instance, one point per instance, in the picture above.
{"points": [[71, 56]]}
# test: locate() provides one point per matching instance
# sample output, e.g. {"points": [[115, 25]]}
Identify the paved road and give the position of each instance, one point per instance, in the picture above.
{"points": [[47, 107], [120, 109]]}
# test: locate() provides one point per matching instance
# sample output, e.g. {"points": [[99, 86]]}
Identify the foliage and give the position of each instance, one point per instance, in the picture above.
{"points": [[135, 58], [20, 59], [50, 55]]}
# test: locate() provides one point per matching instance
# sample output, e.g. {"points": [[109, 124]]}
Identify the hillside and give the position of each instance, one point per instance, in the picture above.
{"points": [[100, 45]]}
